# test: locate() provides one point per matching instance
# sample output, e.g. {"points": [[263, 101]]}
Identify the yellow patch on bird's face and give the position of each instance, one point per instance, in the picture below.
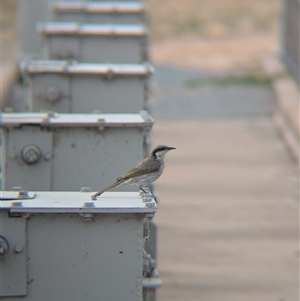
{"points": [[161, 153]]}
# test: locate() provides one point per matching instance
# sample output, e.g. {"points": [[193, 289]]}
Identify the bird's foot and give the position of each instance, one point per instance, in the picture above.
{"points": [[94, 197], [146, 195]]}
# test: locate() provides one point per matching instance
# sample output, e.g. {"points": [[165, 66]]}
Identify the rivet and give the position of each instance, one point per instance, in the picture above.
{"points": [[47, 156], [16, 188], [89, 204], [150, 204], [23, 193]]}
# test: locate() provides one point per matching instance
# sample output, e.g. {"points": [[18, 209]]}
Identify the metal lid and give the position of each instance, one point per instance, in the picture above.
{"points": [[72, 202], [94, 7], [72, 28], [52, 119], [73, 67]]}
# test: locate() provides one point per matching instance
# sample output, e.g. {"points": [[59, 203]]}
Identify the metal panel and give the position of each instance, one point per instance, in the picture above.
{"points": [[13, 275], [62, 47], [111, 12], [119, 95], [109, 88], [49, 92], [85, 261], [29, 13], [86, 157], [88, 149], [33, 174]]}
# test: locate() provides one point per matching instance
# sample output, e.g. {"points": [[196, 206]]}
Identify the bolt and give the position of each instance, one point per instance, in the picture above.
{"points": [[89, 204], [155, 273], [47, 156], [18, 248], [150, 204], [88, 217], [101, 128], [17, 203], [16, 188], [144, 114], [31, 154], [85, 189], [52, 94], [23, 193]]}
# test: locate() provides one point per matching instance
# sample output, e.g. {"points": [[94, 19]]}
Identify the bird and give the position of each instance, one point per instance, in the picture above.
{"points": [[146, 172]]}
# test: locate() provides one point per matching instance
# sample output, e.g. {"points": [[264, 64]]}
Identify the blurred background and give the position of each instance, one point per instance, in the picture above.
{"points": [[228, 213]]}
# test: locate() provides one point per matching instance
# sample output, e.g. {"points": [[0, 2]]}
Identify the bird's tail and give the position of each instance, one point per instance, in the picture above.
{"points": [[119, 181]]}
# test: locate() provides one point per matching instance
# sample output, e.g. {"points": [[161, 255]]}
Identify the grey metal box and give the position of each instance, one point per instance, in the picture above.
{"points": [[95, 43], [29, 13], [71, 87], [44, 151], [62, 246], [111, 12]]}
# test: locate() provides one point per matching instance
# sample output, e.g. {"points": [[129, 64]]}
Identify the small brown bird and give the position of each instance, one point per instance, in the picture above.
{"points": [[146, 172]]}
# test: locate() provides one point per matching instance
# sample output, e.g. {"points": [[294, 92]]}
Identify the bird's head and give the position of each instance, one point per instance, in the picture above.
{"points": [[161, 150]]}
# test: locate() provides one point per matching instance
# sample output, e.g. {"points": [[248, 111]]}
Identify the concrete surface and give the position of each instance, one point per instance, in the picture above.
{"points": [[228, 200]]}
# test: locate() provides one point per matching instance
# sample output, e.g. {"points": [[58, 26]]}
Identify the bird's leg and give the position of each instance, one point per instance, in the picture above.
{"points": [[146, 194], [94, 196], [143, 190]]}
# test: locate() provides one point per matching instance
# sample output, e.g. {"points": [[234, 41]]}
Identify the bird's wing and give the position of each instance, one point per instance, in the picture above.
{"points": [[142, 168]]}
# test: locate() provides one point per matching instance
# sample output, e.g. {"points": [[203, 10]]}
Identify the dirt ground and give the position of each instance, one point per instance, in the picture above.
{"points": [[219, 36]]}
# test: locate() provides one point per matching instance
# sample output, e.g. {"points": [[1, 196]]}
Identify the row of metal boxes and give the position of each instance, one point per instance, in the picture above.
{"points": [[33, 12], [92, 86]]}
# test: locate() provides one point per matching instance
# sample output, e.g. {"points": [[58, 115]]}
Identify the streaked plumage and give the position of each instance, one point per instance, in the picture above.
{"points": [[146, 172]]}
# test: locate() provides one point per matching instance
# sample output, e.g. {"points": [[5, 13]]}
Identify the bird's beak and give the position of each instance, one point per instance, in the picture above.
{"points": [[170, 148]]}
